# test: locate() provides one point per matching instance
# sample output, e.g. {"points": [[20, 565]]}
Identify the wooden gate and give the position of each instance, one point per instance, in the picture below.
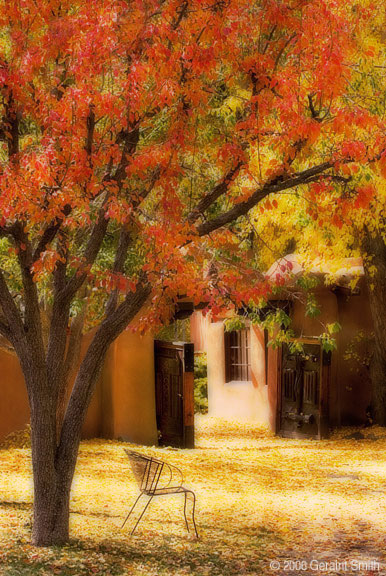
{"points": [[303, 391], [174, 383]]}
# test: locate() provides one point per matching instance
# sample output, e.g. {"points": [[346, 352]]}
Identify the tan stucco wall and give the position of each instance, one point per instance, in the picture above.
{"points": [[129, 385], [239, 400], [354, 379], [199, 330], [123, 404], [14, 408]]}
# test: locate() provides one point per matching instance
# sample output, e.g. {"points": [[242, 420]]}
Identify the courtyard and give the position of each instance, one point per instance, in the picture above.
{"points": [[265, 505]]}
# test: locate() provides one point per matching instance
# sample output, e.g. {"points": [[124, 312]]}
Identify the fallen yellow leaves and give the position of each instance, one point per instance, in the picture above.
{"points": [[259, 498]]}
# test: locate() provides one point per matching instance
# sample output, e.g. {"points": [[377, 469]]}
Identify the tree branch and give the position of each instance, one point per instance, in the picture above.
{"points": [[32, 319], [5, 331], [59, 320], [71, 358], [11, 312], [90, 254], [119, 263], [220, 189], [11, 123], [130, 139], [49, 233], [90, 130], [279, 184], [90, 369], [125, 238]]}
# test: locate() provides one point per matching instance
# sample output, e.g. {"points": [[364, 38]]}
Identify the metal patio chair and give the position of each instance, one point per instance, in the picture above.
{"points": [[149, 474]]}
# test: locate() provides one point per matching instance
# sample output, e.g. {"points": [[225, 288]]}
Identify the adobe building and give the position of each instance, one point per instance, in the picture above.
{"points": [[298, 394], [144, 394]]}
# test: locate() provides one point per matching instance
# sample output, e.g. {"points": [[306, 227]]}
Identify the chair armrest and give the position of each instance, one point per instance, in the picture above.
{"points": [[176, 472], [173, 472]]}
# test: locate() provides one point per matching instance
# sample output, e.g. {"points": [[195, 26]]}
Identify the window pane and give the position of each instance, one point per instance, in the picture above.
{"points": [[237, 355]]}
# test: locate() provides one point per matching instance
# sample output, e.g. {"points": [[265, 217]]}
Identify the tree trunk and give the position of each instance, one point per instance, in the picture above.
{"points": [[54, 459], [53, 470], [54, 463], [49, 504], [374, 257], [51, 509], [51, 491]]}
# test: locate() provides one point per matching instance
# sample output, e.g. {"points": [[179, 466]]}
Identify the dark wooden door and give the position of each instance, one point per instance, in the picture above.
{"points": [[174, 393], [301, 379]]}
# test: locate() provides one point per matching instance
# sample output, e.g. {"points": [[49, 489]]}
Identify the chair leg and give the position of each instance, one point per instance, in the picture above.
{"points": [[194, 507], [143, 512], [131, 509], [193, 510], [186, 520]]}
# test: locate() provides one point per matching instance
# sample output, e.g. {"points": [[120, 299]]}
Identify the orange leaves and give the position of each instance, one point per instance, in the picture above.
{"points": [[45, 265], [230, 151], [364, 196], [177, 98], [382, 164], [313, 130], [354, 150]]}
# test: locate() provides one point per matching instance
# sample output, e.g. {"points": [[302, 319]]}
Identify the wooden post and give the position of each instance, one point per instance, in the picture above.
{"points": [[278, 359], [188, 394], [324, 392]]}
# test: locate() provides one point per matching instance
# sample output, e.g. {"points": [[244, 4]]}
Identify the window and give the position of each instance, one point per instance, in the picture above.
{"points": [[237, 355]]}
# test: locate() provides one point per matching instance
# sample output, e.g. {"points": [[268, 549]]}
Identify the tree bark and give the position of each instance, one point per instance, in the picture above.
{"points": [[374, 257], [50, 497], [51, 501], [53, 464]]}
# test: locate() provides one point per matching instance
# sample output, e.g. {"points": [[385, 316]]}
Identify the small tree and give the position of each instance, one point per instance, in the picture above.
{"points": [[134, 136]]}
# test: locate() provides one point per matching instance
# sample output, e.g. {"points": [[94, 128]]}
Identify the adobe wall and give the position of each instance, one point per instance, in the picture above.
{"points": [[128, 390], [350, 387], [122, 406], [238, 400], [353, 377], [14, 407], [272, 380], [199, 330], [257, 400], [304, 326]]}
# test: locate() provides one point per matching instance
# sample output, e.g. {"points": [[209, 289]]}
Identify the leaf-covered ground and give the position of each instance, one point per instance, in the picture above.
{"points": [[260, 499]]}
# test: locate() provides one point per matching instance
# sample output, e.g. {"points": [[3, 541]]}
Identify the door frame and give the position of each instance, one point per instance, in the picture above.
{"points": [[324, 388], [186, 353]]}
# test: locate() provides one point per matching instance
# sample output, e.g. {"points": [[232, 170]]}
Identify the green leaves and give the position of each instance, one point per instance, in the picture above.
{"points": [[334, 328], [234, 323], [312, 308], [327, 340]]}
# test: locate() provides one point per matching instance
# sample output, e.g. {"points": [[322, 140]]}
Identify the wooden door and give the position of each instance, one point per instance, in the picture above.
{"points": [[303, 392], [174, 393]]}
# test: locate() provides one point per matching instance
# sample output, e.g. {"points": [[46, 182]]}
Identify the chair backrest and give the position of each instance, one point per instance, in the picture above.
{"points": [[146, 470]]}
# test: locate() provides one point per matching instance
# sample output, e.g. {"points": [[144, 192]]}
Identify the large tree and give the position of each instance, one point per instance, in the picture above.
{"points": [[135, 136]]}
